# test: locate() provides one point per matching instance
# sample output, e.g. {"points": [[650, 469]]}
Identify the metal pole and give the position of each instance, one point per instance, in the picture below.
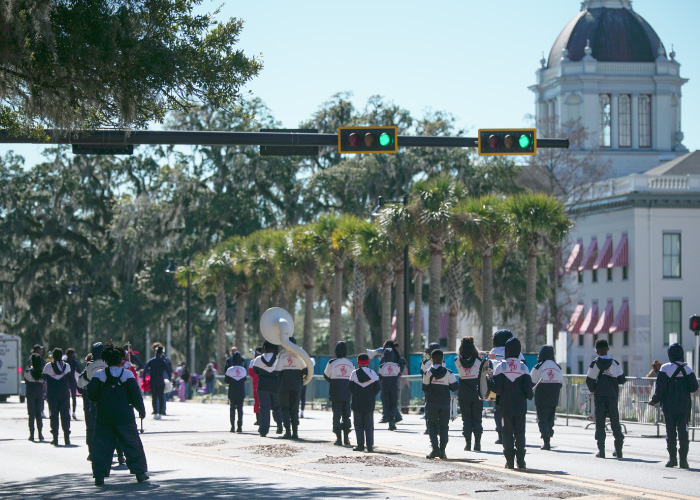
{"points": [[406, 324], [696, 355], [187, 320]]}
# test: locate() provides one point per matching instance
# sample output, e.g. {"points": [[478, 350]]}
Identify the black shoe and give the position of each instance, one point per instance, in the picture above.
{"points": [[67, 439], [240, 427], [232, 429], [359, 447], [500, 438], [120, 459], [89, 458], [256, 421], [442, 454], [279, 428], [99, 481], [510, 459], [683, 464], [287, 435], [31, 436], [383, 421], [54, 441], [338, 439], [468, 446], [295, 434], [672, 462], [477, 442], [617, 453], [142, 477], [546, 445], [398, 418], [346, 432], [41, 436], [263, 435], [392, 426], [370, 449], [433, 454], [601, 453], [520, 456]]}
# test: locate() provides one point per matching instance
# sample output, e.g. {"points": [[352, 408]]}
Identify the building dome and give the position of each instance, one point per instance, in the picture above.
{"points": [[612, 31]]}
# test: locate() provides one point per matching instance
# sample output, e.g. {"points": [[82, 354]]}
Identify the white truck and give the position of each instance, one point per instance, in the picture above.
{"points": [[10, 366]]}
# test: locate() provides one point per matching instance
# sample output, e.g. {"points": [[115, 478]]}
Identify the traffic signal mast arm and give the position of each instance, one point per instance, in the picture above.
{"points": [[117, 138]]}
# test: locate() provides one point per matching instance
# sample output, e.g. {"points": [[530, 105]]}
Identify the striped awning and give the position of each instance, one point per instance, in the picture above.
{"points": [[605, 254], [575, 257], [619, 258], [589, 323], [622, 320], [576, 320], [590, 256], [605, 320]]}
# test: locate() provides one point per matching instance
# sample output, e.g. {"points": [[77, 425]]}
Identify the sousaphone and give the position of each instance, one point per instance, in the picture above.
{"points": [[484, 392], [276, 326]]}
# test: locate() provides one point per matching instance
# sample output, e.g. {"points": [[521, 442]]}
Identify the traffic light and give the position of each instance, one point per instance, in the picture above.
{"points": [[695, 323], [500, 141], [364, 140]]}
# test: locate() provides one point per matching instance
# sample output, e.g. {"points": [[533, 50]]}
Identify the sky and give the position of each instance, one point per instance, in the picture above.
{"points": [[472, 58]]}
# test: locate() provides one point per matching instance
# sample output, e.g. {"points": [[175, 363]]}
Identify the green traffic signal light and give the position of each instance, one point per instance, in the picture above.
{"points": [[385, 140], [524, 141], [364, 140]]}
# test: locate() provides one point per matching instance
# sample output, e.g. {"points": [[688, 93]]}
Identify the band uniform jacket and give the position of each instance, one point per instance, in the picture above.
{"points": [[511, 381], [437, 384], [364, 388], [264, 368], [468, 372], [338, 372], [56, 375], [235, 378], [90, 369], [674, 384], [114, 395], [604, 378], [550, 379], [292, 370], [389, 372]]}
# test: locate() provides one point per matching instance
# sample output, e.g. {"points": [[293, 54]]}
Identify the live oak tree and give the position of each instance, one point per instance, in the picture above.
{"points": [[77, 64]]}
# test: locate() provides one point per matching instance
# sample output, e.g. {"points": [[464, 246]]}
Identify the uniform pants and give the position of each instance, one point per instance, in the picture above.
{"points": [[236, 406], [677, 423], [499, 419], [607, 408], [289, 404], [73, 388], [269, 402], [513, 431], [364, 427], [472, 411], [107, 437], [158, 399], [545, 420], [90, 411], [390, 402], [34, 411], [303, 397], [341, 415], [438, 426], [60, 408]]}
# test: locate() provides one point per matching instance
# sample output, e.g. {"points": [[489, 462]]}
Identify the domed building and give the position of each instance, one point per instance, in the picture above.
{"points": [[609, 69]]}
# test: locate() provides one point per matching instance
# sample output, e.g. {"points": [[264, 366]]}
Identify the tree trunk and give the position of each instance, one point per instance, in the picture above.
{"points": [[434, 297], [418, 342], [241, 295], [358, 299], [308, 342], [387, 278], [531, 301], [487, 299], [453, 316], [221, 321], [264, 300], [455, 292], [336, 312], [398, 274]]}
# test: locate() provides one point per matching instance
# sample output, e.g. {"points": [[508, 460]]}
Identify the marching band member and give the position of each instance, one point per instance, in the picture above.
{"points": [[34, 394], [674, 384], [468, 367], [56, 375], [497, 354], [604, 378], [292, 370], [254, 377], [548, 380], [511, 381], [337, 373], [91, 367], [115, 393], [235, 378], [438, 381], [425, 365], [364, 387], [390, 367], [69, 358], [268, 389]]}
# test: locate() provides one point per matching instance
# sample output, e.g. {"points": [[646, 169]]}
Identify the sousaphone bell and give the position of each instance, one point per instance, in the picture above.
{"points": [[276, 326]]}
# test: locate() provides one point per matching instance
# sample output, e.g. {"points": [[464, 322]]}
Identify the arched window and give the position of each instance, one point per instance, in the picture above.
{"points": [[625, 121], [644, 121], [604, 120]]}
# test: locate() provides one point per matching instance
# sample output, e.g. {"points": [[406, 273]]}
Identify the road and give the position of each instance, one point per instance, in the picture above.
{"points": [[192, 454]]}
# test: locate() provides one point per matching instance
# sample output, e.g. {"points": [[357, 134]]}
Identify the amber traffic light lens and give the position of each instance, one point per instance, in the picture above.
{"points": [[369, 140], [509, 141]]}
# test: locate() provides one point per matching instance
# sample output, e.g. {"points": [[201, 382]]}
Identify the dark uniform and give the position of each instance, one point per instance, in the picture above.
{"points": [[470, 404], [34, 395], [337, 373], [159, 369], [499, 352], [390, 368], [437, 384], [73, 381], [115, 393], [89, 407], [512, 383], [268, 391], [547, 379], [674, 384], [292, 370], [604, 378], [364, 387], [425, 365], [58, 396], [235, 378]]}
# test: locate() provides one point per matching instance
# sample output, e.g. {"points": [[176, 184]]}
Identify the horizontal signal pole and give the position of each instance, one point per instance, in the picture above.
{"points": [[119, 138]]}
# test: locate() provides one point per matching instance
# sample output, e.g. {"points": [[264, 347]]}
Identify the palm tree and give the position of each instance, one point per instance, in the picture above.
{"points": [[420, 260], [486, 228], [432, 210], [537, 220], [239, 281], [304, 246], [262, 266], [456, 252]]}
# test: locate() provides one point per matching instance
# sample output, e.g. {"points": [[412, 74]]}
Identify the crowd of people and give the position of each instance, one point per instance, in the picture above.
{"points": [[114, 380]]}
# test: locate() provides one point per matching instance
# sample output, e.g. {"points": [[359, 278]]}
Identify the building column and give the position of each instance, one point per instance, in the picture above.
{"points": [[635, 121], [654, 121], [614, 121]]}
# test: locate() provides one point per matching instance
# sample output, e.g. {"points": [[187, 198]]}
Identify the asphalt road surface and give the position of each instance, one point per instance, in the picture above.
{"points": [[192, 454]]}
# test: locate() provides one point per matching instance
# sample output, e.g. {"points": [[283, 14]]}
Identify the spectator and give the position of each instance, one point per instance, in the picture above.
{"points": [[655, 369], [158, 370], [209, 376]]}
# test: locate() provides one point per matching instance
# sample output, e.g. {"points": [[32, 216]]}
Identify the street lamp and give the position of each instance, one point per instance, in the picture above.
{"points": [[406, 327], [74, 290], [171, 269]]}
